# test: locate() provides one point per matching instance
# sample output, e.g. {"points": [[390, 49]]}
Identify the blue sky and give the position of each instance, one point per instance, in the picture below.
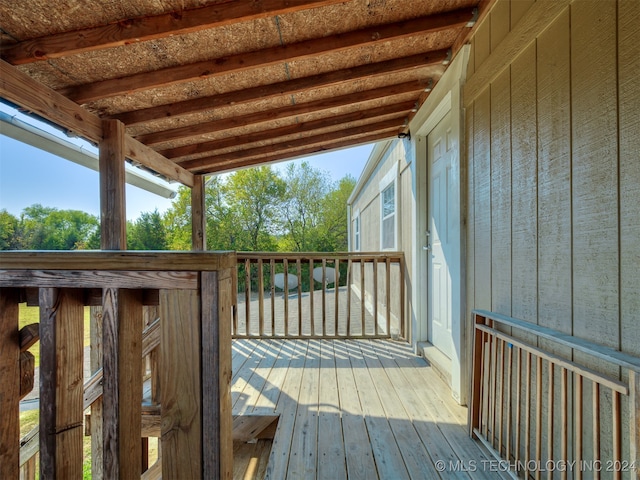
{"points": [[29, 175]]}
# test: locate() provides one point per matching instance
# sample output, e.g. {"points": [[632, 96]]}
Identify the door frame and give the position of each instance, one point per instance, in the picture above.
{"points": [[445, 98]]}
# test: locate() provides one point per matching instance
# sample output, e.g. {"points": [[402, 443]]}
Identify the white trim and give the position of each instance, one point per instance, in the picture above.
{"points": [[390, 179], [357, 233]]}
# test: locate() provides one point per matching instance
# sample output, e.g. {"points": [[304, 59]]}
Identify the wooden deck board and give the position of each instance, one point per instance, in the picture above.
{"points": [[354, 409]]}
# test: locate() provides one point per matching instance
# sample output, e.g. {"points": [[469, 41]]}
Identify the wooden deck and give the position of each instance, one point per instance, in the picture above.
{"points": [[353, 409]]}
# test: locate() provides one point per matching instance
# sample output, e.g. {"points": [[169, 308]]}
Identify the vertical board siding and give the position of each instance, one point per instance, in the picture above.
{"points": [[594, 171], [524, 204], [501, 193], [482, 200], [556, 133], [554, 176], [629, 118]]}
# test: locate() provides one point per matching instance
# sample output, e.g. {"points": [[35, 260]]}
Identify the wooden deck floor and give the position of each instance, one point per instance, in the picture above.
{"points": [[357, 409]]}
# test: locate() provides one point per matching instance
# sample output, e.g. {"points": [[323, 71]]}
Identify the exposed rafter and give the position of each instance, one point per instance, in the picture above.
{"points": [[31, 95], [283, 88], [344, 142], [297, 128], [133, 30], [199, 164], [270, 56], [219, 125]]}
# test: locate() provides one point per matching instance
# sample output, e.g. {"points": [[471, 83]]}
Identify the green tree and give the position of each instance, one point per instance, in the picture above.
{"points": [[302, 206], [333, 231], [9, 231], [177, 221], [46, 228], [253, 196], [147, 232]]}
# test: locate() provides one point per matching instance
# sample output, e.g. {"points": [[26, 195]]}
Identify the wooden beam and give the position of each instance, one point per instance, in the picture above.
{"points": [[295, 110], [198, 217], [181, 400], [24, 91], [29, 335], [217, 444], [122, 382], [282, 88], [297, 128], [27, 373], [113, 213], [140, 29], [61, 389], [199, 163], [9, 384], [269, 56], [291, 154]]}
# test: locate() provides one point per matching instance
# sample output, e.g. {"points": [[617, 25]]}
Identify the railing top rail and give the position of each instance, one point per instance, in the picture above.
{"points": [[117, 260], [394, 256], [600, 351]]}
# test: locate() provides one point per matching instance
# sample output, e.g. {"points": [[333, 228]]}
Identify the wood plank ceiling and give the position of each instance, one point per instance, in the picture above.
{"points": [[218, 85]]}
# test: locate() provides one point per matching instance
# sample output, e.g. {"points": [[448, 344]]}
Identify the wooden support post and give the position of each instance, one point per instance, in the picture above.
{"points": [[181, 395], [198, 217], [9, 384], [217, 423], [95, 363], [113, 216], [476, 377], [122, 397], [61, 386]]}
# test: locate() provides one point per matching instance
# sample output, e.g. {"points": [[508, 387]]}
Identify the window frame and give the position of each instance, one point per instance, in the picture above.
{"points": [[390, 180]]}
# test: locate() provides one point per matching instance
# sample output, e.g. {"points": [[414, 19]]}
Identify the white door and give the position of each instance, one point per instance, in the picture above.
{"points": [[443, 236]]}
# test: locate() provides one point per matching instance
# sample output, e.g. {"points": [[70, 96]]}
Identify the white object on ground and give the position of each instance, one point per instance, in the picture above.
{"points": [[292, 281]]}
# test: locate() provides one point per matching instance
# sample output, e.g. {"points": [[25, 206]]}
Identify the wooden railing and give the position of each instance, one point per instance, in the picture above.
{"points": [[194, 295], [320, 295], [550, 415]]}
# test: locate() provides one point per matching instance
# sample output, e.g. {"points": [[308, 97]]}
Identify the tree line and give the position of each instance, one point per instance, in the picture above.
{"points": [[258, 209]]}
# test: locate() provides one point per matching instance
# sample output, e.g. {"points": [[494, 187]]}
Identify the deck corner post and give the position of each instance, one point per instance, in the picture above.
{"points": [[9, 384]]}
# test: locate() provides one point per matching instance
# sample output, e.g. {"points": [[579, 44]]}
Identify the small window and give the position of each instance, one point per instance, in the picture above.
{"points": [[388, 214], [356, 233]]}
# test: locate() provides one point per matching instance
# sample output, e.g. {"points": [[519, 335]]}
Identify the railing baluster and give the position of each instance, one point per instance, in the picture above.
{"points": [[538, 414], [336, 292], [402, 299], [388, 293], [518, 410], [634, 413], [247, 296], [272, 272], [617, 435], [527, 417], [596, 424], [260, 298], [299, 271], [509, 374], [494, 386], [285, 264], [324, 297], [578, 418], [501, 400], [564, 427], [550, 415], [349, 279], [363, 306], [311, 295], [375, 296]]}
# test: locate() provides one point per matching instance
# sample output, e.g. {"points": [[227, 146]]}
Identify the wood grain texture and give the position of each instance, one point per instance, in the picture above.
{"points": [[595, 172], [217, 444], [500, 22], [116, 261], [149, 28], [629, 119], [95, 364], [61, 386], [181, 395], [524, 185], [99, 279], [27, 373], [198, 217], [9, 383], [482, 200], [113, 207], [501, 193], [122, 386], [554, 176]]}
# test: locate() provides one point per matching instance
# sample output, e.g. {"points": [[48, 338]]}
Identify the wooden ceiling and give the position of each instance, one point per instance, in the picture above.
{"points": [[212, 86]]}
